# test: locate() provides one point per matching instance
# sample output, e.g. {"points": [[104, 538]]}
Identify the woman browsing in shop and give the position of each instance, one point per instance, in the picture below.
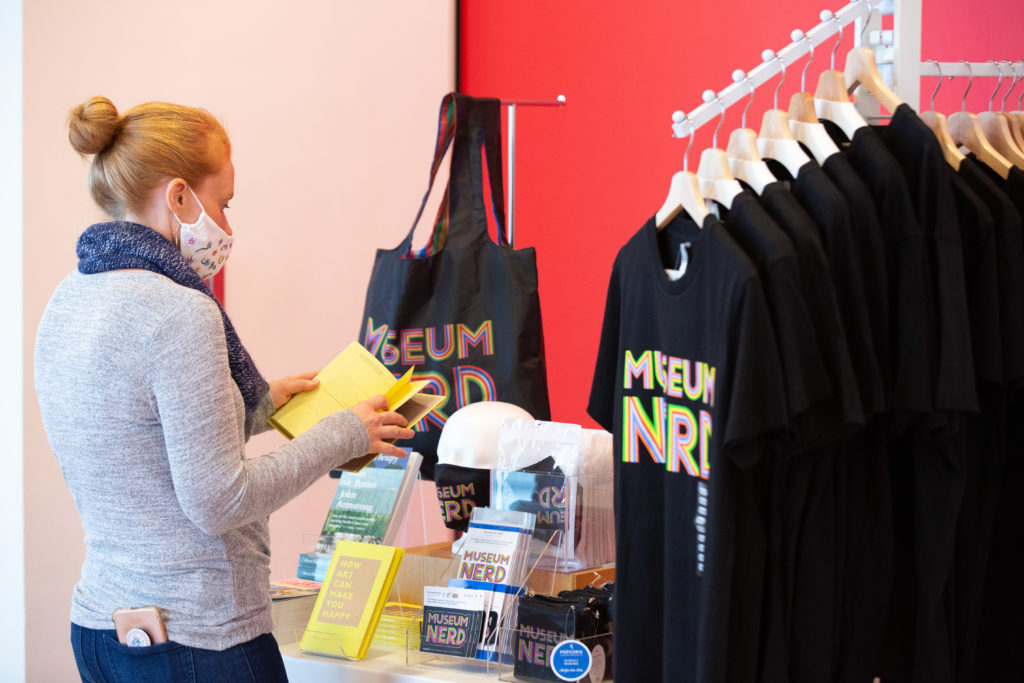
{"points": [[148, 398]]}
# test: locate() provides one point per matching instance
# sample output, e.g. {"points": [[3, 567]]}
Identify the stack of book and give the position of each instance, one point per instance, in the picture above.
{"points": [[351, 600], [291, 603], [399, 626]]}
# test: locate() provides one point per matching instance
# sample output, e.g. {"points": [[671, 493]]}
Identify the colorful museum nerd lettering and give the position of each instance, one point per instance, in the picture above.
{"points": [[464, 383], [673, 429]]}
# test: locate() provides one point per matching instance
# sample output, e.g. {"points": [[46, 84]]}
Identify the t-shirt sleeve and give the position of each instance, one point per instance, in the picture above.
{"points": [[218, 488], [756, 400], [601, 405], [806, 381]]}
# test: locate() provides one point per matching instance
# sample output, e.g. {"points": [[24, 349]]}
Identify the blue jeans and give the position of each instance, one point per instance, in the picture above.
{"points": [[101, 658]]}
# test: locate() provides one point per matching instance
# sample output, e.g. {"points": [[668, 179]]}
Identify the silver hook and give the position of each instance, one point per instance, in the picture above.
{"points": [[1020, 100], [689, 142], [867, 20], [938, 84], [737, 76], [832, 60], [712, 95], [999, 83], [767, 56], [970, 82], [797, 35], [1013, 84]]}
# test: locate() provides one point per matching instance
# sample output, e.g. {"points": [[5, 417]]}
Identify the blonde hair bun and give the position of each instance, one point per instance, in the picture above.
{"points": [[92, 125]]}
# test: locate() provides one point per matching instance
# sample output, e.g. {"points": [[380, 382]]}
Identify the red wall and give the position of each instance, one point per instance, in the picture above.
{"points": [[590, 174]]}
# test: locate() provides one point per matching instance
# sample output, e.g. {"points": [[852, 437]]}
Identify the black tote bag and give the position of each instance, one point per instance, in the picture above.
{"points": [[463, 310]]}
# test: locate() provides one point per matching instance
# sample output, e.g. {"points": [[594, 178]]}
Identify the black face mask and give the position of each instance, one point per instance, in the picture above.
{"points": [[459, 490]]}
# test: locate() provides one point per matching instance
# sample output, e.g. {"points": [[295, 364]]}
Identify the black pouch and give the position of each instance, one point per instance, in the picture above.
{"points": [[459, 490], [599, 602], [542, 622]]}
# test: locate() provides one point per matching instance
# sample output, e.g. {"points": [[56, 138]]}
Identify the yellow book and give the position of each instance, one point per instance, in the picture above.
{"points": [[351, 599], [354, 376]]}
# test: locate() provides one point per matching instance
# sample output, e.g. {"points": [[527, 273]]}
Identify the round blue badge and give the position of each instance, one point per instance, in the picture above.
{"points": [[570, 660]]}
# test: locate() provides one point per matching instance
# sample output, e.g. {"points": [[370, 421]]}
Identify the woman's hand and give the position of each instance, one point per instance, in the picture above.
{"points": [[381, 426], [283, 389]]}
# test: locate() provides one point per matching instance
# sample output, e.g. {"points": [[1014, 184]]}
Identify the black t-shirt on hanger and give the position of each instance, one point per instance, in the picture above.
{"points": [[688, 379], [981, 434], [801, 518], [820, 298], [906, 257], [823, 201], [916, 148], [770, 250], [1000, 657], [871, 246], [1009, 234], [927, 461]]}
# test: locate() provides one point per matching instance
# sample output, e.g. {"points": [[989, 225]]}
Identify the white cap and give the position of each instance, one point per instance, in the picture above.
{"points": [[470, 436]]}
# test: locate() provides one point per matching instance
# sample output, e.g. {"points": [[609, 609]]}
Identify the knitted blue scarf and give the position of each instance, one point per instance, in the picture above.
{"points": [[121, 245]]}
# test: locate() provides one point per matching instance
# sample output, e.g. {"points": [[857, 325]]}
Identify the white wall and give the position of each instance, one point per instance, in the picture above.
{"points": [[331, 108], [12, 528]]}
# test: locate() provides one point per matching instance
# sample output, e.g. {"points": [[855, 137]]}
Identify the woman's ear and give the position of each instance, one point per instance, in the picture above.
{"points": [[177, 190]]}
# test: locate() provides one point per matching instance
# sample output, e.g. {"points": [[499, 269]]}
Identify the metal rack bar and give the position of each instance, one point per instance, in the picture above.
{"points": [[510, 223], [683, 126], [977, 69]]}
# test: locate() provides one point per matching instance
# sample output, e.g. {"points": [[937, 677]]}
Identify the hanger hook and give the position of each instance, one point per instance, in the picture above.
{"points": [[999, 83], [970, 82], [767, 56], [689, 142], [832, 59], [740, 75], [1013, 83], [1020, 100], [712, 95], [938, 85], [797, 35], [867, 20]]}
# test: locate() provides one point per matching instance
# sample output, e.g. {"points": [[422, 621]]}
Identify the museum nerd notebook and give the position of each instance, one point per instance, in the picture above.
{"points": [[351, 599], [354, 376]]}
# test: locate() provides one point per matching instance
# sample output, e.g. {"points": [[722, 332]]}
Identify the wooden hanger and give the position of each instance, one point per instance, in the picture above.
{"points": [[803, 120], [832, 102], [714, 175], [1012, 121], [744, 161], [937, 122], [997, 130], [775, 140], [806, 128], [861, 69], [683, 195], [966, 130]]}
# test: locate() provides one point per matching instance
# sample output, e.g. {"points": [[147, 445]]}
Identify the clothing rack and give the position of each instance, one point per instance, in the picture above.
{"points": [[1004, 68], [510, 224], [686, 124], [898, 53]]}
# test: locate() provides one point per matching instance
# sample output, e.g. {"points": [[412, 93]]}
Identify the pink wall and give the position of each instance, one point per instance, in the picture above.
{"points": [[331, 109], [590, 174]]}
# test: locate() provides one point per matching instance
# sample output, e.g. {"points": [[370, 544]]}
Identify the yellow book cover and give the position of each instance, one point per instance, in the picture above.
{"points": [[354, 376], [351, 599]]}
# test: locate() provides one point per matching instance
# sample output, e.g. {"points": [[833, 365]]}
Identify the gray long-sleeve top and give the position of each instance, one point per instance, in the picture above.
{"points": [[132, 376]]}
